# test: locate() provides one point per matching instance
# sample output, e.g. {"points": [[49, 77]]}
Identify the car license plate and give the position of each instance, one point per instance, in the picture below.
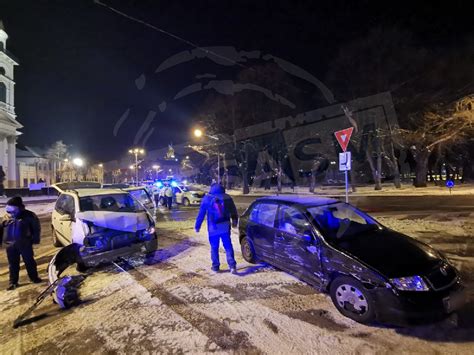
{"points": [[454, 301]]}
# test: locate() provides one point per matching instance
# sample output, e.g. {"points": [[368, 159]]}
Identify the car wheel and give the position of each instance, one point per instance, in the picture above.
{"points": [[151, 246], [248, 251], [162, 201], [56, 241], [352, 299], [186, 202], [81, 267]]}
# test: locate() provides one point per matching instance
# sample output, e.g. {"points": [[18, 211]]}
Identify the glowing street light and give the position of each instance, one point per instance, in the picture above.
{"points": [[78, 162], [198, 133], [136, 152]]}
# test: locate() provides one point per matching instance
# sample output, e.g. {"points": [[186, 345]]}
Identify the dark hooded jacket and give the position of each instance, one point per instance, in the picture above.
{"points": [[220, 210], [25, 229]]}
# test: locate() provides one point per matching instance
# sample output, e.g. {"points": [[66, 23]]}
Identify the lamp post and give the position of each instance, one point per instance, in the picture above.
{"points": [[136, 152], [156, 168], [198, 133], [79, 163]]}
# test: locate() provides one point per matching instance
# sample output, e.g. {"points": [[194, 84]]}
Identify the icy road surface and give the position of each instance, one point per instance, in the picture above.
{"points": [[177, 305]]}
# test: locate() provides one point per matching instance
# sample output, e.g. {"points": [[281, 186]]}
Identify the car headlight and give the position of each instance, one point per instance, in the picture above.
{"points": [[150, 230], [411, 283]]}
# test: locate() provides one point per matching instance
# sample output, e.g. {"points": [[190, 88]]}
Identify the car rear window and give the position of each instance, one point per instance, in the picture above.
{"points": [[264, 213]]}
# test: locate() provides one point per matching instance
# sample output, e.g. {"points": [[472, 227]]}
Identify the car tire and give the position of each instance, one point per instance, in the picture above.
{"points": [[81, 267], [162, 201], [248, 251], [186, 202], [56, 241], [352, 299], [151, 246]]}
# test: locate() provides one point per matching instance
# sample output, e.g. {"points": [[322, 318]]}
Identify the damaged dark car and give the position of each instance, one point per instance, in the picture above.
{"points": [[371, 272]]}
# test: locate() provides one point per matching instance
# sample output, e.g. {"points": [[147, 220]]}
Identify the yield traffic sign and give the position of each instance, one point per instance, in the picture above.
{"points": [[343, 137]]}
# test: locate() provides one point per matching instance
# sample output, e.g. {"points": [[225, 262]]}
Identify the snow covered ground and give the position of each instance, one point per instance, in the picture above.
{"points": [[387, 189], [177, 305]]}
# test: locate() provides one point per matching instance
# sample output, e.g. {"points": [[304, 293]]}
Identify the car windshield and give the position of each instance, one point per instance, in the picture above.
{"points": [[111, 203], [340, 220], [184, 188]]}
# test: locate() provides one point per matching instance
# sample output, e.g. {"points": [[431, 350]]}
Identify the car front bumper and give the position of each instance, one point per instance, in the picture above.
{"points": [[94, 258], [402, 307]]}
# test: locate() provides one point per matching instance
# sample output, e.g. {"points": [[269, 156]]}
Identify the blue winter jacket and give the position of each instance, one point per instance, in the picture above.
{"points": [[220, 210]]}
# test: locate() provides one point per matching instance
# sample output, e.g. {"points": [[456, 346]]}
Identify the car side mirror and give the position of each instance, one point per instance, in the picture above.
{"points": [[65, 218]]}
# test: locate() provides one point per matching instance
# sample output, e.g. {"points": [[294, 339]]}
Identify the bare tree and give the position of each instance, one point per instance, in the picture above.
{"points": [[58, 153], [448, 124]]}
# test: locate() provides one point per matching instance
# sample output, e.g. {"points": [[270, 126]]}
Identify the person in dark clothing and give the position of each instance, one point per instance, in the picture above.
{"points": [[220, 210], [21, 229], [2, 180]]}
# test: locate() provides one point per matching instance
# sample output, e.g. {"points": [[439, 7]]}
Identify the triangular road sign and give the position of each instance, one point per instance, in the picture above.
{"points": [[343, 137]]}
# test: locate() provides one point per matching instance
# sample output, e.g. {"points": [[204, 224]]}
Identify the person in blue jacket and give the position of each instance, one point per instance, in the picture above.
{"points": [[221, 215]]}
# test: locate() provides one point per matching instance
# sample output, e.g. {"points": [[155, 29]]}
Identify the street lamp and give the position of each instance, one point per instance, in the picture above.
{"points": [[78, 162], [136, 152], [156, 168], [198, 133]]}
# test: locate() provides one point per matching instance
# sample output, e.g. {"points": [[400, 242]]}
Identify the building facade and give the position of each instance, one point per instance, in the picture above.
{"points": [[9, 126]]}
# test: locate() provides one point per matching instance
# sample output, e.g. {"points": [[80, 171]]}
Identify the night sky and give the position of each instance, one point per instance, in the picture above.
{"points": [[80, 63]]}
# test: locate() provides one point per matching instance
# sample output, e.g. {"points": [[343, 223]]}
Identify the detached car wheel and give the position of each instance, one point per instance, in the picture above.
{"points": [[56, 241], [186, 202], [248, 251], [352, 299], [162, 201]]}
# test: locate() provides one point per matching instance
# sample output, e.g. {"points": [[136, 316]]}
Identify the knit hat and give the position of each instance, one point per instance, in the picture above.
{"points": [[16, 201]]}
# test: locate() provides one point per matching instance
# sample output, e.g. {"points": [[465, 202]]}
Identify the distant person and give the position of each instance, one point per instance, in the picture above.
{"points": [[21, 229], [2, 180], [169, 194], [220, 210]]}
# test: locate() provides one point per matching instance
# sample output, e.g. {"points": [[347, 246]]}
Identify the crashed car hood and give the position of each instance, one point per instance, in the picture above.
{"points": [[124, 221], [391, 253]]}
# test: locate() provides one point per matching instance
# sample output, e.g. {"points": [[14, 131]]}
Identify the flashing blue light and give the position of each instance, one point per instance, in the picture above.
{"points": [[159, 184], [450, 184], [174, 183]]}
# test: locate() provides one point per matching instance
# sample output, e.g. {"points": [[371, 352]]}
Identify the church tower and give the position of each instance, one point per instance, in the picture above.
{"points": [[8, 124]]}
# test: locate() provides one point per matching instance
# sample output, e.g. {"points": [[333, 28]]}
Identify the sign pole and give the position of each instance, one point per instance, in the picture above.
{"points": [[347, 188], [343, 137]]}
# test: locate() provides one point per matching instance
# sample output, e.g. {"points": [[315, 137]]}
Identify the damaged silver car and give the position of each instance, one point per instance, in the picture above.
{"points": [[104, 224]]}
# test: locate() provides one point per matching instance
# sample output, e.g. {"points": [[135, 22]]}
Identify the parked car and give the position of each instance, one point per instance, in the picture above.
{"points": [[105, 223], [370, 271], [184, 196]]}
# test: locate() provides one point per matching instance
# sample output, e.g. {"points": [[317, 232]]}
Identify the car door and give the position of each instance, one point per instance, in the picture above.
{"points": [[63, 216], [178, 193], [296, 246], [69, 210], [261, 228]]}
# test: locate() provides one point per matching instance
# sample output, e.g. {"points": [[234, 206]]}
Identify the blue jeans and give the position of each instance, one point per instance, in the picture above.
{"points": [[229, 250]]}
